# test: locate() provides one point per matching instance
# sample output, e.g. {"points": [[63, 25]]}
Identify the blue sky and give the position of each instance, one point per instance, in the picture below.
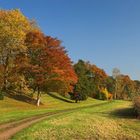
{"points": [[105, 32]]}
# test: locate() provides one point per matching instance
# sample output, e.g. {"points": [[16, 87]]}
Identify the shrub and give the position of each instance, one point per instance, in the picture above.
{"points": [[137, 105]]}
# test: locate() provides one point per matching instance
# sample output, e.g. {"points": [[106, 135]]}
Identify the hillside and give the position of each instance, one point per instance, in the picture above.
{"points": [[12, 109]]}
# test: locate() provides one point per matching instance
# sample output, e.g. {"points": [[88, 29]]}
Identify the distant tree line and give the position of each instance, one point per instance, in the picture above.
{"points": [[94, 82]]}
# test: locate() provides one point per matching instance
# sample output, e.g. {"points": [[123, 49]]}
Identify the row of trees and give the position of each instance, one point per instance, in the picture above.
{"points": [[94, 82], [31, 60]]}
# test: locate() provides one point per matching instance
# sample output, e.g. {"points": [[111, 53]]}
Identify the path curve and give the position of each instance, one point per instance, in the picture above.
{"points": [[7, 130]]}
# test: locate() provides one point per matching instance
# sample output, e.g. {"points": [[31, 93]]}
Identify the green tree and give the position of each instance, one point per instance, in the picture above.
{"points": [[110, 84], [82, 85]]}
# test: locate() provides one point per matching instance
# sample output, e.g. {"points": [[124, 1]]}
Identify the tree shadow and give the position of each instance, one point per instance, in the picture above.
{"points": [[59, 98], [128, 113], [22, 97]]}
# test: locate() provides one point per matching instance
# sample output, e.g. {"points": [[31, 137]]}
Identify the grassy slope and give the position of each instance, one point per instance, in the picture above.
{"points": [[106, 122], [11, 109]]}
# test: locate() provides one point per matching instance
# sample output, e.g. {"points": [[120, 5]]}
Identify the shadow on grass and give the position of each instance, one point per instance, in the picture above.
{"points": [[59, 98], [124, 113], [21, 97]]}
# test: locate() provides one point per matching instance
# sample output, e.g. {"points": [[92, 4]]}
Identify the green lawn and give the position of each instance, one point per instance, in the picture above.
{"points": [[104, 122], [11, 109]]}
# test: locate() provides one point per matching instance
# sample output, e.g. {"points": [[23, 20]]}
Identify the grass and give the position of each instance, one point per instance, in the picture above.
{"points": [[113, 120], [104, 122], [11, 109]]}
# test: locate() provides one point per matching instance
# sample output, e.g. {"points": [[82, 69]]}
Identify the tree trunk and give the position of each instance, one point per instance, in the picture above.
{"points": [[38, 97], [5, 83], [115, 93], [5, 77]]}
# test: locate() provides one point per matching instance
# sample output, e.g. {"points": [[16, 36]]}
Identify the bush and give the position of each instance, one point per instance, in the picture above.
{"points": [[137, 105], [1, 95]]}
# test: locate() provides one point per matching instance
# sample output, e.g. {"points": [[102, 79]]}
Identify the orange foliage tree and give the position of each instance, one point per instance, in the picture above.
{"points": [[48, 63], [99, 77], [125, 88]]}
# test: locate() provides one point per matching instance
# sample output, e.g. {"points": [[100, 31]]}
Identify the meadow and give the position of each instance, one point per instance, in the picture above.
{"points": [[91, 119], [113, 120]]}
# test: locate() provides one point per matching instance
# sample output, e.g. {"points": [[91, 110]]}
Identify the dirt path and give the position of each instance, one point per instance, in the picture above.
{"points": [[10, 129], [7, 130]]}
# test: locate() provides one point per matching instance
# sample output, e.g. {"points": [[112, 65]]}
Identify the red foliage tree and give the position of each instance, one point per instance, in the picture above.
{"points": [[48, 61]]}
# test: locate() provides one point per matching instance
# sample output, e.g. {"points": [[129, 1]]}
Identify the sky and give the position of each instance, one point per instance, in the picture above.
{"points": [[104, 32]]}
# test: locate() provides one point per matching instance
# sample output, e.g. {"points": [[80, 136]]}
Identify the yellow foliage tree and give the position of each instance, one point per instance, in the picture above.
{"points": [[13, 29], [104, 93]]}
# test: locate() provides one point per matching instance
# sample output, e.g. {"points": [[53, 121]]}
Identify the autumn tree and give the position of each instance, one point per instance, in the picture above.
{"points": [[137, 87], [13, 29], [99, 76], [49, 64], [125, 87], [60, 65]]}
